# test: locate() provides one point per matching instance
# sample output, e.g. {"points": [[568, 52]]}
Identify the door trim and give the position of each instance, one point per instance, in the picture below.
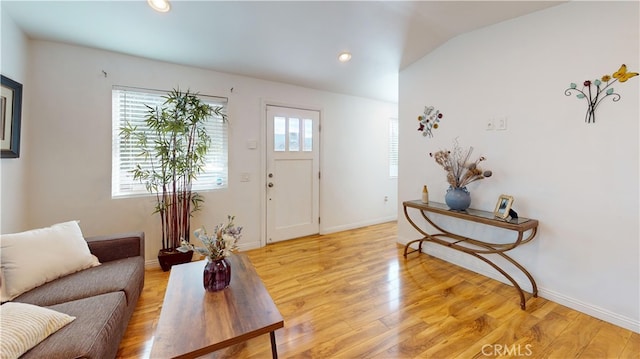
{"points": [[263, 159]]}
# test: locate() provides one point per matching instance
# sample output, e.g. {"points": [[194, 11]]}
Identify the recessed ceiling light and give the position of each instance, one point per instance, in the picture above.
{"points": [[344, 57], [159, 5]]}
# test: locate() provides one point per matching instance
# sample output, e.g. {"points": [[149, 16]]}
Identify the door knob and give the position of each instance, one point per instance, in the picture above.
{"points": [[270, 184]]}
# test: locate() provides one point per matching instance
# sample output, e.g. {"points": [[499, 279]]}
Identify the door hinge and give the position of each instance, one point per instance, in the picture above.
{"points": [[318, 220], [319, 175]]}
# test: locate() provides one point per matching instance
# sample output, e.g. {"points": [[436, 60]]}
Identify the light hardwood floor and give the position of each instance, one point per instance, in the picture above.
{"points": [[353, 295]]}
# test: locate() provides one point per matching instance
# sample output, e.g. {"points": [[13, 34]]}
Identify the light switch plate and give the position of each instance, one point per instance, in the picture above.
{"points": [[489, 125], [501, 123]]}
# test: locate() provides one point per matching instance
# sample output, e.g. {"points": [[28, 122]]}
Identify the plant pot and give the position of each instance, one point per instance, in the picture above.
{"points": [[458, 199], [171, 256]]}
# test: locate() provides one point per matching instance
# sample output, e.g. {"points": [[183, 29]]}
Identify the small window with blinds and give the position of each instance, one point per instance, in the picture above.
{"points": [[128, 106], [393, 147]]}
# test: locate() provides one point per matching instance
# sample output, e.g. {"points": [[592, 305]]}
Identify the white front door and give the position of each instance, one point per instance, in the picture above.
{"points": [[293, 173]]}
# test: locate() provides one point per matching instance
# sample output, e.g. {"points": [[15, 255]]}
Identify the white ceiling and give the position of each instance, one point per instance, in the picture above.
{"points": [[295, 42]]}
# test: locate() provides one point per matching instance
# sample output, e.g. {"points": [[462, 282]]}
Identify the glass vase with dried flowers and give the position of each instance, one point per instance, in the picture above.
{"points": [[460, 172], [217, 247]]}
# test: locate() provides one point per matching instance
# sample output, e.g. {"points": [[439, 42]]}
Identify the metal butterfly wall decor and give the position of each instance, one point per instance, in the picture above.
{"points": [[596, 91]]}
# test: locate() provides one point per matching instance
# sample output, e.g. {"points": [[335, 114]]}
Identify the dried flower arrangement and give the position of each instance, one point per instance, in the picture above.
{"points": [[220, 244], [460, 171]]}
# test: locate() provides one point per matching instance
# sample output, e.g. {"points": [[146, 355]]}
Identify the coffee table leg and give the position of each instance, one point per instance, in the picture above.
{"points": [[274, 348]]}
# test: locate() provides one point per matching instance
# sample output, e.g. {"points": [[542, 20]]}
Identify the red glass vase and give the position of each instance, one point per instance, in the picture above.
{"points": [[217, 275]]}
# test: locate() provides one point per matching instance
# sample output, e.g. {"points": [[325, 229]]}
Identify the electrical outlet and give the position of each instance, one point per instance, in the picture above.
{"points": [[501, 123], [489, 125]]}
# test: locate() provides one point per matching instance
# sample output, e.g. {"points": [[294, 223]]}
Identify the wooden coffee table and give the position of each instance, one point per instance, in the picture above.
{"points": [[194, 322]]}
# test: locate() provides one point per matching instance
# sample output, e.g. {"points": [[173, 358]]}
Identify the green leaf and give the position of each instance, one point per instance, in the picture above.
{"points": [[580, 95], [573, 85], [610, 91]]}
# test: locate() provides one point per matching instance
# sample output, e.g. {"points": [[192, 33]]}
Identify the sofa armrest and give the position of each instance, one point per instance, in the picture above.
{"points": [[117, 246]]}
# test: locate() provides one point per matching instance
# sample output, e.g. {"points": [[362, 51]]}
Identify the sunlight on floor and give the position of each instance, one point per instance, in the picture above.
{"points": [[394, 284]]}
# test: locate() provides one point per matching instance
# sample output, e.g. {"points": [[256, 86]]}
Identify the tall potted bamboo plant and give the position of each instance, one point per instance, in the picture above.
{"points": [[172, 155]]}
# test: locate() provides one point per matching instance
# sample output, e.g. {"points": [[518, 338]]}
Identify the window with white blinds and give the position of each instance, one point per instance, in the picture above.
{"points": [[393, 147], [128, 106]]}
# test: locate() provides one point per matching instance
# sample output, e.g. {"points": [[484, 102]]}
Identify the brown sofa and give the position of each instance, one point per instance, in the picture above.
{"points": [[101, 298]]}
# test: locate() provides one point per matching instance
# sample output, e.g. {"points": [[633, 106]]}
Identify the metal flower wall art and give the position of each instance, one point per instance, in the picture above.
{"points": [[429, 120], [596, 91]]}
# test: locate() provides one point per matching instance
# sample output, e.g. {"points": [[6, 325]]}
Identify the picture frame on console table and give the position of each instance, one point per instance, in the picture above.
{"points": [[503, 206], [10, 117]]}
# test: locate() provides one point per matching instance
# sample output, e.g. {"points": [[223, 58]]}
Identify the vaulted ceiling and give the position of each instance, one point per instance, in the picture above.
{"points": [[295, 42]]}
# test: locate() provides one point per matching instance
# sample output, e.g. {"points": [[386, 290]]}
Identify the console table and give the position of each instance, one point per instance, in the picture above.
{"points": [[474, 247]]}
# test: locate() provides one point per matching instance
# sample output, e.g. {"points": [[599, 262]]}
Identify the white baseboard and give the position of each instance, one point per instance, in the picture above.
{"points": [[470, 263], [151, 263], [590, 309], [349, 226]]}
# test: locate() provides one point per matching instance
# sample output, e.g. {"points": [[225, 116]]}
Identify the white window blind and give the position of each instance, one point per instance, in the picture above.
{"points": [[393, 147], [128, 106]]}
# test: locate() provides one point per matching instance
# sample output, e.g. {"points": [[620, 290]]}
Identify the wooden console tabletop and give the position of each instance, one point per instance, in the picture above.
{"points": [[474, 247], [194, 322]]}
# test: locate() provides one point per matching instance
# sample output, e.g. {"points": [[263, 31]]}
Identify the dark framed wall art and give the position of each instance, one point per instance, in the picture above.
{"points": [[10, 117]]}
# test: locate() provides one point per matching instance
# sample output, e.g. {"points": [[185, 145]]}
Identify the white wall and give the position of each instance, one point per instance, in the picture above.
{"points": [[580, 180], [13, 171], [71, 145]]}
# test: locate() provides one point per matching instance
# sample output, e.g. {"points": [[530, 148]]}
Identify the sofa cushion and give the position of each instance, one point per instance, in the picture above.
{"points": [[120, 275], [38, 256], [25, 325], [96, 332]]}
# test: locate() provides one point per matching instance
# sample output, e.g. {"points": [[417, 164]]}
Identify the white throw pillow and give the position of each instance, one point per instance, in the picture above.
{"points": [[24, 325], [30, 259], [3, 288]]}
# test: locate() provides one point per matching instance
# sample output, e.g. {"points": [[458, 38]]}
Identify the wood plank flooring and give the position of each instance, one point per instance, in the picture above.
{"points": [[353, 295]]}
